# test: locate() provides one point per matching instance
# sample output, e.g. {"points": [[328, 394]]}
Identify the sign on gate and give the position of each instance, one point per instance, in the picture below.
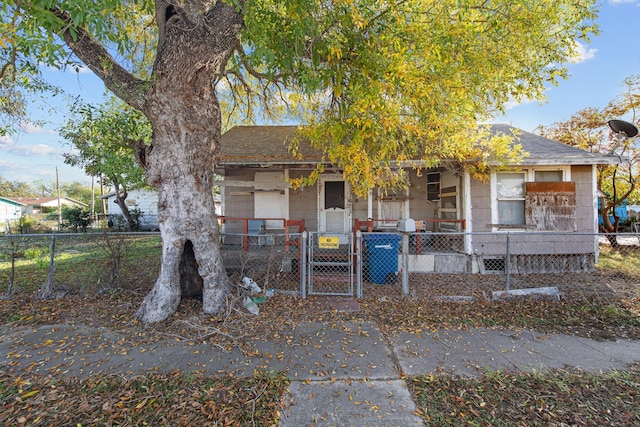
{"points": [[330, 268], [328, 242]]}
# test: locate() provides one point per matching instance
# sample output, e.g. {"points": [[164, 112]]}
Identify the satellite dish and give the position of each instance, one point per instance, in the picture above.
{"points": [[620, 126]]}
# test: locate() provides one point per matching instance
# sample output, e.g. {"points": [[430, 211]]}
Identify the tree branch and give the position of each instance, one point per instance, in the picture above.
{"points": [[117, 79]]}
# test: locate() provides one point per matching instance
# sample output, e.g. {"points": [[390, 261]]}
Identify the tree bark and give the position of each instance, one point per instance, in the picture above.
{"points": [[185, 115], [121, 198], [195, 42]]}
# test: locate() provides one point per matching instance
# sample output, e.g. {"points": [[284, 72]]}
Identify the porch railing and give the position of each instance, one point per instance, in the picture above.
{"points": [[256, 227]]}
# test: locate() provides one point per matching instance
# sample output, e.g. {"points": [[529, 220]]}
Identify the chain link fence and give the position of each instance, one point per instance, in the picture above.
{"points": [[482, 265], [443, 264], [83, 262], [272, 260]]}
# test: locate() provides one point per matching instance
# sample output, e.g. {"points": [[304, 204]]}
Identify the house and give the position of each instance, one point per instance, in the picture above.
{"points": [[145, 201], [552, 189], [12, 208]]}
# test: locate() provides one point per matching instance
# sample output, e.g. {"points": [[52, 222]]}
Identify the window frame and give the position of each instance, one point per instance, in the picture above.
{"points": [[529, 176], [433, 186]]}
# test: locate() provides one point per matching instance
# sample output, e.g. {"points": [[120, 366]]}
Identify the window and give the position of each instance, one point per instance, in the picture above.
{"points": [[548, 176], [540, 198], [510, 191], [433, 186], [334, 194], [393, 206]]}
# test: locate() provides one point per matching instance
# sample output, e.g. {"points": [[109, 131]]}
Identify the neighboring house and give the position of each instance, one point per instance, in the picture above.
{"points": [[11, 210], [146, 202], [621, 210], [36, 205], [552, 189]]}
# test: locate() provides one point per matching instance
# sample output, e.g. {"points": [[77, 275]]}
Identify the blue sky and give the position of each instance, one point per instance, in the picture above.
{"points": [[594, 80]]}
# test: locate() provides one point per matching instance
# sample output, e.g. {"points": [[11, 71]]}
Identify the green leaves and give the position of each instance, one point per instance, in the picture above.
{"points": [[103, 138], [378, 82], [400, 81]]}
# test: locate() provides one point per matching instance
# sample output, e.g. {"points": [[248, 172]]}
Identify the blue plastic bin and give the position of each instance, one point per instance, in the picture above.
{"points": [[382, 257]]}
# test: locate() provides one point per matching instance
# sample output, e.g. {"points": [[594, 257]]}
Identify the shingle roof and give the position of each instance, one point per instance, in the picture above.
{"points": [[263, 145], [549, 152], [268, 145]]}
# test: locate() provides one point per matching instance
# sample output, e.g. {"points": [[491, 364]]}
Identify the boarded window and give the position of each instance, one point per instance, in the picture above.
{"points": [[551, 206], [548, 176]]}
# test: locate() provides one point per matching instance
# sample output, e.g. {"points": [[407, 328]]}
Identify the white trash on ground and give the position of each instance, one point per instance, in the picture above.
{"points": [[251, 286], [250, 306]]}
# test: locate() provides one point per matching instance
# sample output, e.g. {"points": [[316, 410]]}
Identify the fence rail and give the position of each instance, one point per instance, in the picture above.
{"points": [[444, 263]]}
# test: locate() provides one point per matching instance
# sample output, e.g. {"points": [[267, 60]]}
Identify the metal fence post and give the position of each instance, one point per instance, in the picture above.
{"points": [[405, 263], [302, 265], [358, 264], [507, 263]]}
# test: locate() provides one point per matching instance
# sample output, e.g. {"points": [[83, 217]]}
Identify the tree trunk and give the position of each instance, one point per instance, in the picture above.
{"points": [[183, 110], [188, 224], [121, 201], [47, 290]]}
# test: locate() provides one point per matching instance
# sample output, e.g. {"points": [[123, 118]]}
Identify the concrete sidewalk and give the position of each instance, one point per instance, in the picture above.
{"points": [[342, 373]]}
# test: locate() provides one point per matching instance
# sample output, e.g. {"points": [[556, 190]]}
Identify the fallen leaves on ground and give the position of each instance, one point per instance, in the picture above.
{"points": [[587, 308], [560, 398], [177, 399]]}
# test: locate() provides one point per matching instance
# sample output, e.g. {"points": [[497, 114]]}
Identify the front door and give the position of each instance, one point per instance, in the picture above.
{"points": [[334, 206]]}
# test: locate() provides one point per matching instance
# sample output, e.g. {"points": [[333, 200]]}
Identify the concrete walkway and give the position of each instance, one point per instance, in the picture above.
{"points": [[342, 373]]}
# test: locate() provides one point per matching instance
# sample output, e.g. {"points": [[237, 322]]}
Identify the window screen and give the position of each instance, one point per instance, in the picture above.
{"points": [[433, 186]]}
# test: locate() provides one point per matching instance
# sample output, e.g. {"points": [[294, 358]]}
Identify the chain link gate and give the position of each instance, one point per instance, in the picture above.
{"points": [[333, 267]]}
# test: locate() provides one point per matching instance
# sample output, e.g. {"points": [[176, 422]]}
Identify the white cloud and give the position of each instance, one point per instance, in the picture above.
{"points": [[512, 103], [623, 1], [11, 167], [81, 69], [27, 150], [30, 127], [38, 150], [583, 53], [5, 140], [27, 173], [75, 69]]}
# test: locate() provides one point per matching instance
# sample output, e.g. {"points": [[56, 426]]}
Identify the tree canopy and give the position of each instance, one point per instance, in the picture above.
{"points": [[14, 188], [378, 82], [103, 139], [588, 129]]}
